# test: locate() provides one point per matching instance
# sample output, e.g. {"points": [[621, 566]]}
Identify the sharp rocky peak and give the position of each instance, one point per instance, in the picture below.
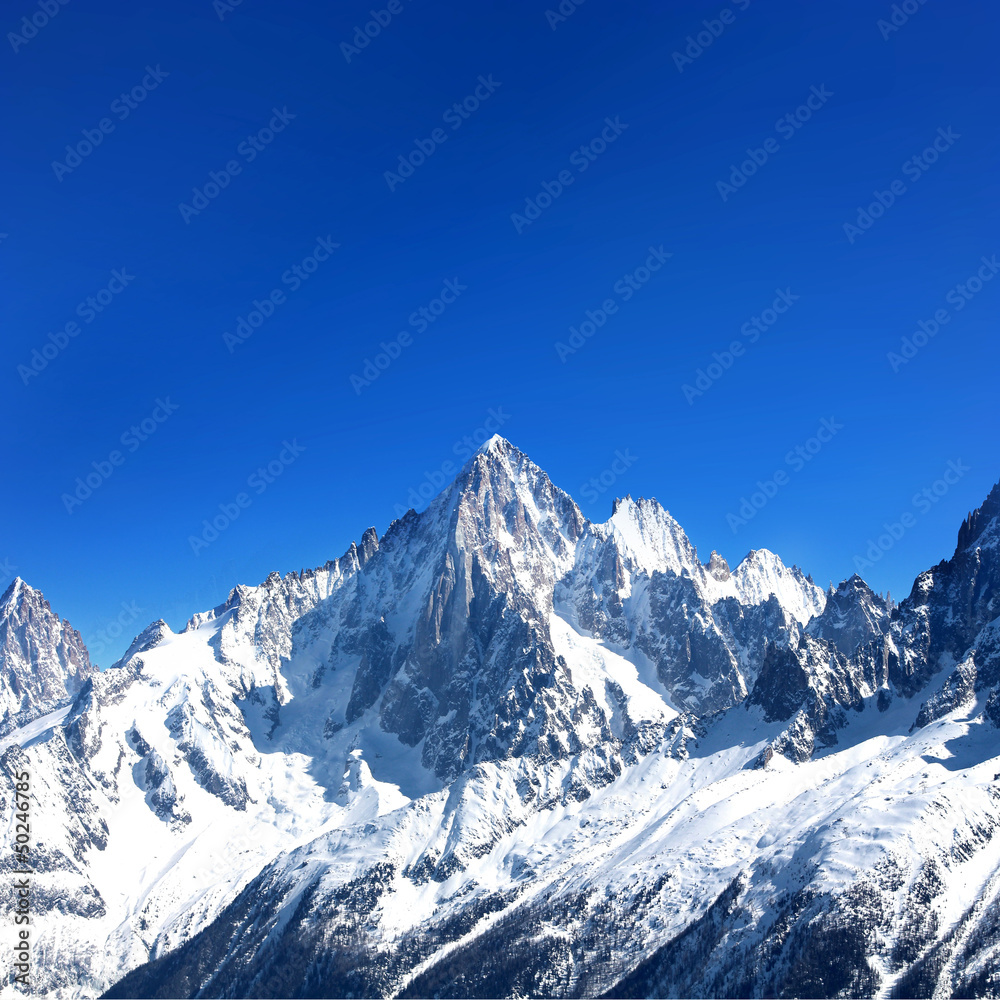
{"points": [[497, 444], [647, 534], [43, 660], [17, 591], [855, 584], [498, 459], [982, 526], [152, 635], [761, 573], [854, 614], [501, 500], [717, 567]]}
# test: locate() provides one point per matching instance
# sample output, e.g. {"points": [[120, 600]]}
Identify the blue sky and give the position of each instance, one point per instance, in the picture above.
{"points": [[259, 209]]}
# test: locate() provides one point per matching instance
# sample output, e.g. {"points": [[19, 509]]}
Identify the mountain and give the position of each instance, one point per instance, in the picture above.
{"points": [[503, 750], [43, 661], [853, 614]]}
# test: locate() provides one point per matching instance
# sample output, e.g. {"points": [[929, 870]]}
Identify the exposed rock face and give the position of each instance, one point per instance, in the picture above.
{"points": [[43, 661], [503, 750], [717, 567], [951, 605], [858, 648], [853, 615]]}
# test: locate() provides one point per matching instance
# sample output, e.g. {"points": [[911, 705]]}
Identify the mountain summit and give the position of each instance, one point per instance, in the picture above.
{"points": [[43, 661], [504, 750]]}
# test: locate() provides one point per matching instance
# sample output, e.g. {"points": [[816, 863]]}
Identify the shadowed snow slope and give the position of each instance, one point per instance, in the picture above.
{"points": [[505, 751]]}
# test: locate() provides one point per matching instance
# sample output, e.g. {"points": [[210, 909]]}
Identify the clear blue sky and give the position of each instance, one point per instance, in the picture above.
{"points": [[329, 123]]}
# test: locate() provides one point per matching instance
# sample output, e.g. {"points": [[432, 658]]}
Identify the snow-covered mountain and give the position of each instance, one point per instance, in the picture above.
{"points": [[43, 661], [504, 750]]}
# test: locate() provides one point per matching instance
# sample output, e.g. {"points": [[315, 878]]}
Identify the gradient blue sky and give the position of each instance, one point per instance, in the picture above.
{"points": [[494, 348]]}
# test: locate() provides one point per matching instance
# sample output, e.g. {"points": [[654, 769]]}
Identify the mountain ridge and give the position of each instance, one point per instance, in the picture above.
{"points": [[503, 749]]}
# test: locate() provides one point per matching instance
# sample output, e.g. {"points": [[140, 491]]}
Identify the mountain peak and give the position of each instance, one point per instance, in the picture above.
{"points": [[502, 469], [21, 595], [853, 614], [717, 567], [152, 635], [761, 573], [17, 586], [369, 545], [498, 444], [649, 535], [43, 661], [855, 583], [495, 454], [979, 521]]}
